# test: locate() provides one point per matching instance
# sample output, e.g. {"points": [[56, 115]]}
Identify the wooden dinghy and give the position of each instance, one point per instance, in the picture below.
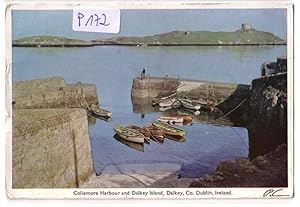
{"points": [[171, 95], [169, 130], [129, 134], [167, 103], [170, 119], [157, 100], [165, 108], [156, 134], [176, 118], [98, 112], [133, 145], [143, 131], [189, 104], [195, 112]]}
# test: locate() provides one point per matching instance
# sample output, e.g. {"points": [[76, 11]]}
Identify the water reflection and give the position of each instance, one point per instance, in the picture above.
{"points": [[144, 106], [91, 120], [179, 139]]}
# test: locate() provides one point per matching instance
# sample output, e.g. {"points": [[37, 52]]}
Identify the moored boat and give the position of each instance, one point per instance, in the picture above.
{"points": [[158, 100], [186, 117], [155, 133], [133, 145], [170, 119], [189, 104], [143, 131], [195, 112], [129, 134], [167, 103], [169, 130], [180, 117], [98, 112], [165, 108], [176, 104], [168, 96]]}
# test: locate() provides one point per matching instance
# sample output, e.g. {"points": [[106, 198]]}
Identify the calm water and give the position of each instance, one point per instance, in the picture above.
{"points": [[112, 69]]}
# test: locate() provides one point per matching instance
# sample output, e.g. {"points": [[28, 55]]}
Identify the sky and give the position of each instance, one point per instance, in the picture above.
{"points": [[148, 22]]}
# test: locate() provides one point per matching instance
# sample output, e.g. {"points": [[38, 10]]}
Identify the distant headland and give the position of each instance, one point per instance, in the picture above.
{"points": [[245, 36]]}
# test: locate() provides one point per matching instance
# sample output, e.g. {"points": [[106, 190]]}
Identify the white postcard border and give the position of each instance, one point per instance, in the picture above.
{"points": [[69, 193]]}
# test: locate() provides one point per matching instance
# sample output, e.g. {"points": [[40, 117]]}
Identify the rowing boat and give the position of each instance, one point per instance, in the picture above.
{"points": [[170, 119], [169, 130], [168, 96], [178, 117], [165, 108], [98, 112], [133, 145], [167, 103], [143, 131], [189, 104], [129, 134], [195, 112], [156, 134]]}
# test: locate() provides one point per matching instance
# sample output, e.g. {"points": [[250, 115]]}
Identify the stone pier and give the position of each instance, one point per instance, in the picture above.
{"points": [[224, 95], [52, 93]]}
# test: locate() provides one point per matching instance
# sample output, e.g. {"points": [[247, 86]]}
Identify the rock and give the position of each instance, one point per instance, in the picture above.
{"points": [[261, 162], [226, 168], [245, 166]]}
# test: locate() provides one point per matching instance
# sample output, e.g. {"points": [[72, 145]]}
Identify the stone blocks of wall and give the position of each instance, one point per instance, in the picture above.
{"points": [[51, 148]]}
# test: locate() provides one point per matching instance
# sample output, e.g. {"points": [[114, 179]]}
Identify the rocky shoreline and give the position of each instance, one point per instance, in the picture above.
{"points": [[269, 170]]}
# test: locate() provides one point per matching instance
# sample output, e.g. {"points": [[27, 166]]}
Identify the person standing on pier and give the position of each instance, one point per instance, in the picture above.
{"points": [[143, 74]]}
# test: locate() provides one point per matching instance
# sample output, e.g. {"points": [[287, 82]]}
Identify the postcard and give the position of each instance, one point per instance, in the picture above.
{"points": [[149, 100]]}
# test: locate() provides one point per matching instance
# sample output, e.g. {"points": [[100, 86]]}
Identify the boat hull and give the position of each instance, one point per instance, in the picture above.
{"points": [[172, 120], [129, 134], [167, 103], [132, 139], [169, 130], [133, 145]]}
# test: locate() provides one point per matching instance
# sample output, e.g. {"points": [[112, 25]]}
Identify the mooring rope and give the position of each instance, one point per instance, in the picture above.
{"points": [[233, 109]]}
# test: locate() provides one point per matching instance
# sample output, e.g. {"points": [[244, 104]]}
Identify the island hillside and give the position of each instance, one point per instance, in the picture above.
{"points": [[50, 41], [244, 36]]}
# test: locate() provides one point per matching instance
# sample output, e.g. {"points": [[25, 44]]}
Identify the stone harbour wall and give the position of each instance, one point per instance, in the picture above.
{"points": [[51, 148], [52, 93]]}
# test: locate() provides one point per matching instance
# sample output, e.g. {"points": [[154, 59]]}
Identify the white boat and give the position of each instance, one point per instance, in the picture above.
{"points": [[165, 108], [169, 119], [190, 105], [167, 103]]}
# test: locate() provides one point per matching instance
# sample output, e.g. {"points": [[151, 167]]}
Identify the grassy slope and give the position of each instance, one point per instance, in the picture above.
{"points": [[49, 40], [203, 37]]}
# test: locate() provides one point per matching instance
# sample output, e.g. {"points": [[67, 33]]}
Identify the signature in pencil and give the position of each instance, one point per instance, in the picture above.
{"points": [[274, 193]]}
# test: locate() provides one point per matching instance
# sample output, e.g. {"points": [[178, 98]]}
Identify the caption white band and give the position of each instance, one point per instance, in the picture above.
{"points": [[96, 20]]}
